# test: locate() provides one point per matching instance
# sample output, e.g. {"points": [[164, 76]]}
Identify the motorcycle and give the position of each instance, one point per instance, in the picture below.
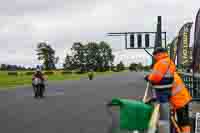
{"points": [[38, 87]]}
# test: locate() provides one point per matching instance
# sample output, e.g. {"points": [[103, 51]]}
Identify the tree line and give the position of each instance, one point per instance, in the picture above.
{"points": [[91, 56], [83, 57], [139, 67], [14, 67], [95, 56]]}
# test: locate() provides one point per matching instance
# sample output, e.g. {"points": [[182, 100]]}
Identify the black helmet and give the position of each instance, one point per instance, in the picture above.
{"points": [[159, 50]]}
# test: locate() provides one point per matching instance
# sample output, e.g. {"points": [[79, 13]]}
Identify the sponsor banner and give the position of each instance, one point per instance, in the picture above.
{"points": [[173, 49], [196, 47], [168, 48], [183, 45]]}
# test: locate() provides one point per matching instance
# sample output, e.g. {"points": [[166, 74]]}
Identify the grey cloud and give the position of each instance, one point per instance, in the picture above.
{"points": [[24, 23], [37, 7]]}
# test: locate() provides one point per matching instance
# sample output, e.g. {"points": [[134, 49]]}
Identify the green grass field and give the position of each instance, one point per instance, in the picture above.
{"points": [[11, 81]]}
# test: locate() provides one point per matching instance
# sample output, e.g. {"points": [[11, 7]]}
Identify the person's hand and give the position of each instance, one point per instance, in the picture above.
{"points": [[109, 103], [150, 100], [146, 78], [45, 78]]}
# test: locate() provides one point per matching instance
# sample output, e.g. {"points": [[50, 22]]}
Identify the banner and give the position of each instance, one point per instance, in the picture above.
{"points": [[196, 46], [173, 49], [168, 48], [183, 45]]}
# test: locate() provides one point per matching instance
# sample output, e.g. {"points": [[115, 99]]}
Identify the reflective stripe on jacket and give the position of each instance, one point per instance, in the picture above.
{"points": [[180, 94]]}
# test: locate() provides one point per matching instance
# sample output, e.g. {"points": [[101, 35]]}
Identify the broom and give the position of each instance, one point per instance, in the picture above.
{"points": [[146, 93], [154, 119], [155, 115]]}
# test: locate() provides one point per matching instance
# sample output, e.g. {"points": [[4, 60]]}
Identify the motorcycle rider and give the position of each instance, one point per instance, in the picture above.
{"points": [[38, 74], [169, 87]]}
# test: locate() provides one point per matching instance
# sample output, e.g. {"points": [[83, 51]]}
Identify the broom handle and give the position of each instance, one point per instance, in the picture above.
{"points": [[175, 124], [146, 93], [154, 119]]}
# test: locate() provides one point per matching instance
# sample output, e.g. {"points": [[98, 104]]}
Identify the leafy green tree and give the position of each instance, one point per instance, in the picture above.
{"points": [[113, 67], [133, 67], [4, 67], [140, 67], [46, 54], [91, 56], [79, 54], [147, 68], [68, 64], [120, 66], [106, 58]]}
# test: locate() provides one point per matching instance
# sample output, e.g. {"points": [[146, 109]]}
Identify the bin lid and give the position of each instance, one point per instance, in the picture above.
{"points": [[134, 115]]}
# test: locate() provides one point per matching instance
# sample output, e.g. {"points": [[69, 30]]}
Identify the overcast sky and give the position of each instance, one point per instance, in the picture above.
{"points": [[24, 23]]}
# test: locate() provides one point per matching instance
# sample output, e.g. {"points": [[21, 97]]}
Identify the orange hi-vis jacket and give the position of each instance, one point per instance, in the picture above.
{"points": [[180, 94], [164, 76], [163, 70]]}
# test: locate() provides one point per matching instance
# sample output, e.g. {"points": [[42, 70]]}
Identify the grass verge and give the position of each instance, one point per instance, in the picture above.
{"points": [[12, 81]]}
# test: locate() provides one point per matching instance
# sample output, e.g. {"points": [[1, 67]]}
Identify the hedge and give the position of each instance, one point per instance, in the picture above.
{"points": [[133, 67], [90, 75], [80, 72], [115, 70], [13, 73], [29, 73], [49, 73], [66, 72]]}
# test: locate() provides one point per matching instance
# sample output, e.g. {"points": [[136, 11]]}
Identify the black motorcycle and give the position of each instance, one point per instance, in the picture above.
{"points": [[38, 87]]}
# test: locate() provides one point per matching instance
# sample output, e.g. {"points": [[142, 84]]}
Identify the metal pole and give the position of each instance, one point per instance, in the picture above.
{"points": [[158, 39], [126, 40], [148, 53], [165, 40], [159, 31]]}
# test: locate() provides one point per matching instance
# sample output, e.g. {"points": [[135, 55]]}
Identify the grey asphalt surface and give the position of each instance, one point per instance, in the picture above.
{"points": [[69, 106]]}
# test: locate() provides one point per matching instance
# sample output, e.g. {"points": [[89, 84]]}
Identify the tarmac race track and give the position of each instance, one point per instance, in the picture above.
{"points": [[69, 106]]}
